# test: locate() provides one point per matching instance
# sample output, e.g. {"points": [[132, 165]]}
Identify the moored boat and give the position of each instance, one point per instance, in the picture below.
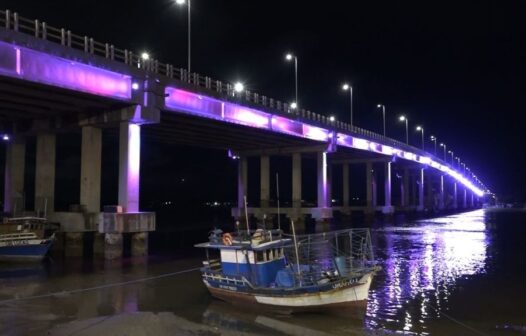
{"points": [[324, 271], [26, 238]]}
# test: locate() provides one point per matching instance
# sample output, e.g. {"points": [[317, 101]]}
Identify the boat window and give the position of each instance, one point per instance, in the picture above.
{"points": [[270, 255]]}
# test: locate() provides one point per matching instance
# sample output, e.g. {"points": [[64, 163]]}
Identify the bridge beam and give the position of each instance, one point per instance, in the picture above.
{"points": [[90, 168], [14, 177], [129, 165], [45, 174]]}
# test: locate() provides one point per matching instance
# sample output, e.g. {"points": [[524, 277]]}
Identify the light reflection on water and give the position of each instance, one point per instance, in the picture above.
{"points": [[421, 264]]}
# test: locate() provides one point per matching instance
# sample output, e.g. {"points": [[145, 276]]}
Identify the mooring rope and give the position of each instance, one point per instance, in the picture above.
{"points": [[80, 290]]}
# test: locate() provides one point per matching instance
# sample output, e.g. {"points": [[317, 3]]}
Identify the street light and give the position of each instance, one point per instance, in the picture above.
{"points": [[239, 87], [348, 87], [421, 130], [145, 56], [332, 118], [458, 161], [180, 3], [434, 139], [451, 152], [382, 106], [404, 118], [289, 57], [444, 145]]}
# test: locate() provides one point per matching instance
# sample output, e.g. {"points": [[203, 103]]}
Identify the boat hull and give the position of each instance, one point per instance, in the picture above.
{"points": [[32, 251], [353, 295]]}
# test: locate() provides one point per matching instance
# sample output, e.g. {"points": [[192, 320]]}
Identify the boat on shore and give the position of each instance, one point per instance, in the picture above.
{"points": [[26, 238], [290, 273]]}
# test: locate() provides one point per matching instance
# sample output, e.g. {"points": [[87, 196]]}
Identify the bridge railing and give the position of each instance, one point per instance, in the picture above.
{"points": [[39, 29]]}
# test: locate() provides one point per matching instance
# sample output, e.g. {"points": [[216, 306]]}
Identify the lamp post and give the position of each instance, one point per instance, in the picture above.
{"points": [[182, 2], [452, 156], [290, 57], [434, 140], [239, 87], [348, 87], [421, 130], [404, 118], [382, 106], [444, 145]]}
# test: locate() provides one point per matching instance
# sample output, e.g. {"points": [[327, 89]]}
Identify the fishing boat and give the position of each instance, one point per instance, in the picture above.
{"points": [[26, 238], [290, 273]]}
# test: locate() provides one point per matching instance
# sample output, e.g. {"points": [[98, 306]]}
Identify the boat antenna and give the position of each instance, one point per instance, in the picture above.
{"points": [[246, 215], [296, 249], [277, 196]]}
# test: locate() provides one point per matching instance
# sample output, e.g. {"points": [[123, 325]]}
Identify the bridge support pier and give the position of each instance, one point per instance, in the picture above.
{"points": [[346, 194], [323, 213], [297, 216], [45, 174], [242, 171], [90, 168], [74, 244], [441, 201], [388, 208], [139, 244], [465, 198], [455, 196], [129, 165], [14, 200], [265, 182], [420, 206], [404, 189]]}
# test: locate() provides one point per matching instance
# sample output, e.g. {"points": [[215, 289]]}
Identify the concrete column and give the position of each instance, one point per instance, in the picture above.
{"points": [[441, 193], [14, 177], [45, 174], [420, 206], [139, 244], [369, 184], [242, 170], [296, 180], [265, 182], [90, 168], [322, 179], [112, 246], [345, 175], [388, 208], [465, 198], [404, 192], [430, 194], [413, 199], [329, 184], [129, 166], [74, 244], [455, 197], [472, 199]]}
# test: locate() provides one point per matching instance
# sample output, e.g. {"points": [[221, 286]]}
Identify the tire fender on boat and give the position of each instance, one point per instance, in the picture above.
{"points": [[227, 239]]}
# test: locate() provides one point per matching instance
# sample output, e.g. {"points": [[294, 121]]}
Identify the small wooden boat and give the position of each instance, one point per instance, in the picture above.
{"points": [[324, 271]]}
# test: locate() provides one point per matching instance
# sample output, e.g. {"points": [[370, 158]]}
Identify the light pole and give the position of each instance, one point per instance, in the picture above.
{"points": [[421, 129], [290, 57], [434, 139], [239, 87], [404, 118], [382, 106], [348, 87], [189, 5], [444, 145], [452, 158], [458, 162]]}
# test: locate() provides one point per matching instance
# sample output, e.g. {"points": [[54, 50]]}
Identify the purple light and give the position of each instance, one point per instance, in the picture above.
{"points": [[134, 164], [5, 137], [360, 143], [191, 102], [315, 133], [246, 116], [287, 126], [135, 86]]}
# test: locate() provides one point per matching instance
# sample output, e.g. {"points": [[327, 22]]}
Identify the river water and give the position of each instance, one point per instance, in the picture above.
{"points": [[457, 275]]}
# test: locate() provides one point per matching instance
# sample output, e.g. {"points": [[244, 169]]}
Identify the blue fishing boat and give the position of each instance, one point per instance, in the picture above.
{"points": [[26, 238], [290, 273]]}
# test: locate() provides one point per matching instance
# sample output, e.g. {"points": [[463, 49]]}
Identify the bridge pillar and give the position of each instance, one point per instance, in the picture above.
{"points": [[345, 175], [296, 191], [369, 176], [129, 165], [472, 199], [441, 201], [465, 198], [404, 188], [421, 205], [242, 173], [14, 177], [388, 208], [90, 168], [265, 182], [323, 213], [455, 196], [45, 174]]}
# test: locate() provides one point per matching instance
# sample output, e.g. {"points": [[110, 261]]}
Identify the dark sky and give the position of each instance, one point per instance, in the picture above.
{"points": [[457, 67]]}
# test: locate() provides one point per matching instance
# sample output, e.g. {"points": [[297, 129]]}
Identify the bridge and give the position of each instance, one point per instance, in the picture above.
{"points": [[54, 81]]}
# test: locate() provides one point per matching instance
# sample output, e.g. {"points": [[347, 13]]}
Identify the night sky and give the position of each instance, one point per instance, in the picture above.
{"points": [[456, 67]]}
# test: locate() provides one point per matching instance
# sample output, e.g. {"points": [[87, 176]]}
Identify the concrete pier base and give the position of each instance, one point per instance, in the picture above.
{"points": [[322, 225], [74, 244], [108, 245], [139, 244]]}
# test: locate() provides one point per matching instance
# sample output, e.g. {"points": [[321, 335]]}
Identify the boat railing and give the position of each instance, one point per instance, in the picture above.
{"points": [[15, 236], [225, 279]]}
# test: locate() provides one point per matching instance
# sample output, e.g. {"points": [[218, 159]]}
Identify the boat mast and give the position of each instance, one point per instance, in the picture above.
{"points": [[277, 194], [296, 249], [246, 215]]}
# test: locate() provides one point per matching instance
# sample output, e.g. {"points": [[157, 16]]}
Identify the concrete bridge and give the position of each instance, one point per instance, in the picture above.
{"points": [[53, 81]]}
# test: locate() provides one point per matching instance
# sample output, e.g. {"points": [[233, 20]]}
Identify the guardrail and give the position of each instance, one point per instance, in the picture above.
{"points": [[39, 29]]}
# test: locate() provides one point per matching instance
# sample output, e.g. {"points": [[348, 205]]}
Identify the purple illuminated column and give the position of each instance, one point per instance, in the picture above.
{"points": [[242, 169], [388, 184], [472, 199], [322, 179], [455, 197], [129, 166], [441, 200], [265, 181], [14, 177], [465, 200], [296, 180], [329, 184], [345, 175], [420, 206]]}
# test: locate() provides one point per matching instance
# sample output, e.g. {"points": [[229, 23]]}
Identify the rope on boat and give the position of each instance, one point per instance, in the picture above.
{"points": [[116, 284]]}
